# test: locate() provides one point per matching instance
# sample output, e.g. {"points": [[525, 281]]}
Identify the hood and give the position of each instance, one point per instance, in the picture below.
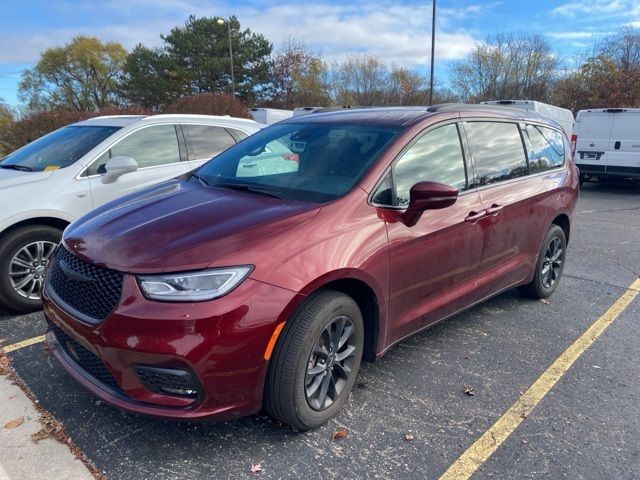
{"points": [[10, 178], [179, 226]]}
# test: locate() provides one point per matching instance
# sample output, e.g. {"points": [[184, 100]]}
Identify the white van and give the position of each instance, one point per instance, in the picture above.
{"points": [[607, 143], [270, 115], [561, 116]]}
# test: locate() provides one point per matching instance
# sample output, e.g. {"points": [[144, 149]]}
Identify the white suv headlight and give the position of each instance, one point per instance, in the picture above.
{"points": [[193, 286]]}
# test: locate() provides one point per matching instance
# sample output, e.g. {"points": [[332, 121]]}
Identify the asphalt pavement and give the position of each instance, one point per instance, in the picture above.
{"points": [[586, 427]]}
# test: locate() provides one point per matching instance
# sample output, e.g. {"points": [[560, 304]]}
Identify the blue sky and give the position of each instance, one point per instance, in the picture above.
{"points": [[399, 32]]}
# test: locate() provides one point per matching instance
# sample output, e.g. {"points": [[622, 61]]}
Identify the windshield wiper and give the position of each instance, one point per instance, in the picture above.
{"points": [[202, 180], [255, 189], [20, 168]]}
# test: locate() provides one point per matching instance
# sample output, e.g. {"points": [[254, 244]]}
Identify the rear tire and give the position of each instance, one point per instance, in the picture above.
{"points": [[549, 266], [24, 254], [318, 352]]}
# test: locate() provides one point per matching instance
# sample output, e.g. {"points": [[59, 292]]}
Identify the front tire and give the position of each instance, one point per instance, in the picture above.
{"points": [[24, 255], [316, 361], [549, 266]]}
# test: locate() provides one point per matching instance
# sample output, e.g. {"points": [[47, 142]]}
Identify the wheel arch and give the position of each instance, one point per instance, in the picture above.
{"points": [[563, 222], [44, 220], [365, 293]]}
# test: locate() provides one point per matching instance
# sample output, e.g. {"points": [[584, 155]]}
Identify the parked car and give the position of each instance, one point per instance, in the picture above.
{"points": [[213, 295], [607, 143], [269, 115], [58, 178], [562, 116]]}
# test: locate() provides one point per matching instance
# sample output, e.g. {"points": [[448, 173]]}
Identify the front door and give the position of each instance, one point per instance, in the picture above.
{"points": [[433, 263], [157, 152]]}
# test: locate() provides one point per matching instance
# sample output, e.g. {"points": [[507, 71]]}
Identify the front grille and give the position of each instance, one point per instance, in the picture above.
{"points": [[84, 359], [90, 290]]}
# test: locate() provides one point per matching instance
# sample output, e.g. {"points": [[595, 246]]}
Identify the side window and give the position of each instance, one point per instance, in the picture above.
{"points": [[384, 194], [497, 150], [437, 156], [547, 148], [150, 146], [206, 141]]}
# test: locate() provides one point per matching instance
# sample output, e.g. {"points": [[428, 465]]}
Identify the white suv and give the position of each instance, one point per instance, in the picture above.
{"points": [[52, 181]]}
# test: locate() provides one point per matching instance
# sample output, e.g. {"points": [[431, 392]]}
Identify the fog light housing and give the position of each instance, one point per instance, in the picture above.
{"points": [[168, 381]]}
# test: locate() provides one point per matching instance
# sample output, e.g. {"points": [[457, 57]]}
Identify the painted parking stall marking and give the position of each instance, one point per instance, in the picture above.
{"points": [[24, 343], [482, 449]]}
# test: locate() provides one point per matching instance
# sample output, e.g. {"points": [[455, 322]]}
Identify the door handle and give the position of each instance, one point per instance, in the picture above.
{"points": [[616, 145], [493, 209], [474, 216]]}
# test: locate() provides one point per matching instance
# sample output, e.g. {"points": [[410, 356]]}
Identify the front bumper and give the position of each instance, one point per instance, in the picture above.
{"points": [[221, 343]]}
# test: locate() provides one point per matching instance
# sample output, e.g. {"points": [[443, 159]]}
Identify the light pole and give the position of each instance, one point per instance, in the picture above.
{"points": [[433, 50], [228, 22]]}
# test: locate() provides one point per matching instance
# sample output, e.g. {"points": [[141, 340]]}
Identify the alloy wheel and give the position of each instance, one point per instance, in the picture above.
{"points": [[331, 363], [27, 268], [552, 263]]}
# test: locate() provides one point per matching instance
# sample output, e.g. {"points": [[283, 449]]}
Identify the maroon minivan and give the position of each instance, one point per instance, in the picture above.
{"points": [[264, 277]]}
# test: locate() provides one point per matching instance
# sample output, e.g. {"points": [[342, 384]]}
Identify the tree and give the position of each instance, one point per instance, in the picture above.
{"points": [[361, 80], [151, 79], [608, 75], [508, 65], [298, 77], [194, 59], [5, 114], [81, 75], [5, 120], [210, 104]]}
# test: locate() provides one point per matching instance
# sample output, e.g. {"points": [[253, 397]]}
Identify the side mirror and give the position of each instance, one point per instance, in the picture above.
{"points": [[428, 196], [118, 166]]}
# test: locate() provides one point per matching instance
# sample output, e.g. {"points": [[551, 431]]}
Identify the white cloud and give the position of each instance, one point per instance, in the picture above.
{"points": [[397, 33], [575, 9]]}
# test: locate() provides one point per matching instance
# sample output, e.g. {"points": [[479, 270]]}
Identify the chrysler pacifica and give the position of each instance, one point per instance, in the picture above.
{"points": [[236, 288]]}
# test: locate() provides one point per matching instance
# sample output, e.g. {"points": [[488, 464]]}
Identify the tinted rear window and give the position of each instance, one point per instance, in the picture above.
{"points": [[206, 141], [547, 148], [497, 150]]}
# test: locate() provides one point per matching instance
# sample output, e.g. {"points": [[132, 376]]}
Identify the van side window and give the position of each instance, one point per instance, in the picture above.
{"points": [[497, 150], [437, 157], [547, 148]]}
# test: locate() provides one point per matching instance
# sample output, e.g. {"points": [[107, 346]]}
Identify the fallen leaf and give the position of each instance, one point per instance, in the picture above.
{"points": [[256, 468], [469, 391], [341, 433], [16, 422], [523, 415], [408, 437], [545, 301]]}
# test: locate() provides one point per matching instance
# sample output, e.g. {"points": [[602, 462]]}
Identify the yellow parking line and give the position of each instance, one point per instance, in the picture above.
{"points": [[24, 343], [483, 448]]}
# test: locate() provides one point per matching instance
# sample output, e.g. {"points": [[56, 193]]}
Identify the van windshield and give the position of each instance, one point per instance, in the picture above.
{"points": [[58, 149], [308, 162]]}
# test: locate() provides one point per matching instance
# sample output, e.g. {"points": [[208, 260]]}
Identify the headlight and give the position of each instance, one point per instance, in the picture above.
{"points": [[193, 286]]}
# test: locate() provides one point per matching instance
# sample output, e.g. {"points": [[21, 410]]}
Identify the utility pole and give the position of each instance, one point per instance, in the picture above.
{"points": [[433, 50]]}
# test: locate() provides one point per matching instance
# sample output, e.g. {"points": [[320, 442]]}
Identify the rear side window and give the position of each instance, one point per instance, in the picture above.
{"points": [[497, 150], [206, 141], [547, 148], [437, 157]]}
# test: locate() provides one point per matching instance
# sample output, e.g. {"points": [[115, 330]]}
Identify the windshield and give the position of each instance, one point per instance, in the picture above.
{"points": [[308, 162], [57, 150]]}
